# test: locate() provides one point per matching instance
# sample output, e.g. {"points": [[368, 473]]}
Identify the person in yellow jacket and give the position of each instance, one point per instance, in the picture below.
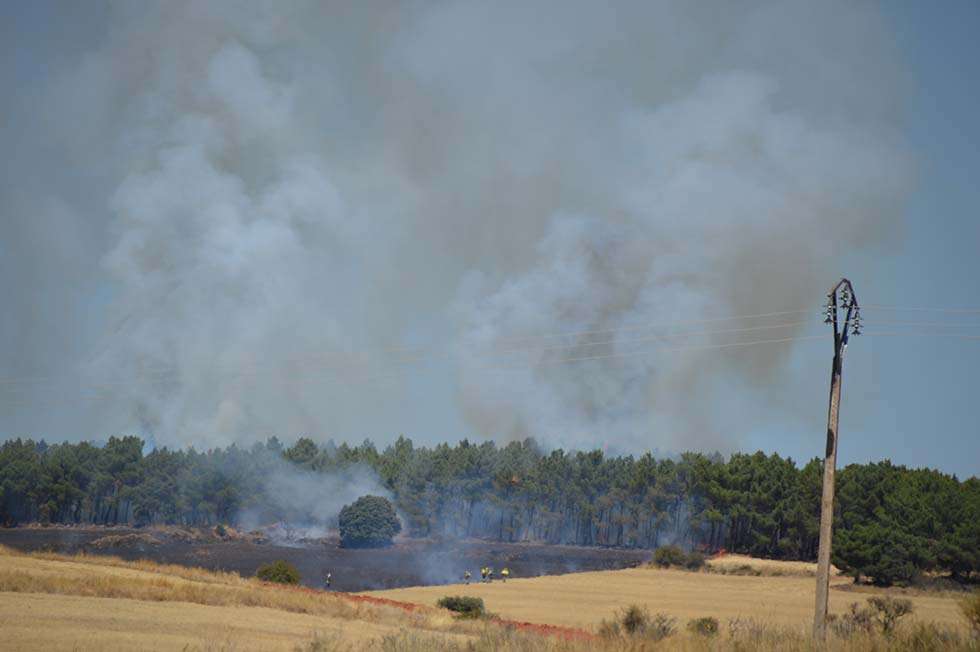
{"points": [[483, 574], [505, 573]]}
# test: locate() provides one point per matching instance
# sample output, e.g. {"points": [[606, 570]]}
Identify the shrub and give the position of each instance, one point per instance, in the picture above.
{"points": [[970, 608], [609, 629], [705, 626], [694, 560], [660, 626], [925, 637], [634, 619], [857, 619], [466, 606], [280, 571], [888, 611], [746, 629], [666, 556], [370, 522]]}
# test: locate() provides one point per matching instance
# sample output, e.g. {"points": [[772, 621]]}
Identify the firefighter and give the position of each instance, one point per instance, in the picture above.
{"points": [[489, 575], [483, 574], [327, 579], [466, 577], [505, 573]]}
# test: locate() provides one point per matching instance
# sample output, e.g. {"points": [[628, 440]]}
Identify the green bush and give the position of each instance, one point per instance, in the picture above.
{"points": [[466, 606], [886, 554], [370, 522], [280, 571], [705, 626], [666, 556]]}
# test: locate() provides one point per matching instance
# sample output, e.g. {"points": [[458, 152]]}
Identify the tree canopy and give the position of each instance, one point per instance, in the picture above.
{"points": [[369, 522], [891, 522]]}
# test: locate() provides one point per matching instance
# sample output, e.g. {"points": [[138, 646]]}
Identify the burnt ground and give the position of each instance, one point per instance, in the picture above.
{"points": [[407, 563]]}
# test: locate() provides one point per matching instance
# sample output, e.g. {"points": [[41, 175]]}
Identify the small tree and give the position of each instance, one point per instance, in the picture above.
{"points": [[370, 522], [280, 571]]}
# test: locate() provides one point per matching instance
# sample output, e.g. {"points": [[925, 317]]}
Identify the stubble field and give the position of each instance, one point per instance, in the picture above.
{"points": [[50, 601], [584, 599]]}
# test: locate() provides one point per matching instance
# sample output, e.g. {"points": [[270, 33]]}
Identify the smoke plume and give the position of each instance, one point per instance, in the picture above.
{"points": [[222, 220]]}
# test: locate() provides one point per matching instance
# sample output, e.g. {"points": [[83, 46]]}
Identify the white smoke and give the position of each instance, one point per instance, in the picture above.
{"points": [[727, 207], [225, 206], [300, 503]]}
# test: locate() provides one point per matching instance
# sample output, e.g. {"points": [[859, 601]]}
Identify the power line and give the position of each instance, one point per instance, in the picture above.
{"points": [[425, 354], [661, 325], [905, 334], [681, 348], [968, 311], [167, 375], [511, 368]]}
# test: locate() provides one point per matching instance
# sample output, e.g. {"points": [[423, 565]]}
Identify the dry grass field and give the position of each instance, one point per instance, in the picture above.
{"points": [[55, 602], [584, 599], [736, 563], [50, 602]]}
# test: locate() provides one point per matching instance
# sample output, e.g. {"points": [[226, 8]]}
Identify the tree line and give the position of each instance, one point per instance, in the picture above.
{"points": [[891, 523]]}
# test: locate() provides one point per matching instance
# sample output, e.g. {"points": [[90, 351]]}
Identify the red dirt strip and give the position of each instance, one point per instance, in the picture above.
{"points": [[567, 633]]}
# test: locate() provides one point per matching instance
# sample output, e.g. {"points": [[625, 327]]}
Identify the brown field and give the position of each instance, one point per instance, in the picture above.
{"points": [[57, 602], [51, 602], [584, 599]]}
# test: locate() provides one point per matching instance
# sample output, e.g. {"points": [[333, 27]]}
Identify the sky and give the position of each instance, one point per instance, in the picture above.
{"points": [[598, 227]]}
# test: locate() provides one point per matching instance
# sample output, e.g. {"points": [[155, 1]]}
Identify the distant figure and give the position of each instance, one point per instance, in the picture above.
{"points": [[504, 574], [466, 577], [483, 574], [327, 579], [489, 575]]}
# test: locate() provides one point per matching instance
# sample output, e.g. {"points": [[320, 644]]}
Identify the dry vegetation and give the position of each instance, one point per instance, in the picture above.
{"points": [[585, 599], [745, 565], [54, 602]]}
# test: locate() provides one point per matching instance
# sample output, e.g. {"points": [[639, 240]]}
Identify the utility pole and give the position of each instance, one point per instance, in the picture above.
{"points": [[841, 295]]}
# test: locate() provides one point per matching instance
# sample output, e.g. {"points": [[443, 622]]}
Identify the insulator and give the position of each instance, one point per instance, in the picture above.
{"points": [[856, 330], [828, 320]]}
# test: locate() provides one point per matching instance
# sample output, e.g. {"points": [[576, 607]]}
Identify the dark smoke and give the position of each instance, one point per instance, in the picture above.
{"points": [[221, 212]]}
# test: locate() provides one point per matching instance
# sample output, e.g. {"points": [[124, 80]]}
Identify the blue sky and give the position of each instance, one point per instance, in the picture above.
{"points": [[922, 391], [454, 185]]}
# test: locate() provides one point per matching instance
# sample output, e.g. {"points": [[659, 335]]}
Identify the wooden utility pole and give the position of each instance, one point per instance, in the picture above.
{"points": [[848, 301]]}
